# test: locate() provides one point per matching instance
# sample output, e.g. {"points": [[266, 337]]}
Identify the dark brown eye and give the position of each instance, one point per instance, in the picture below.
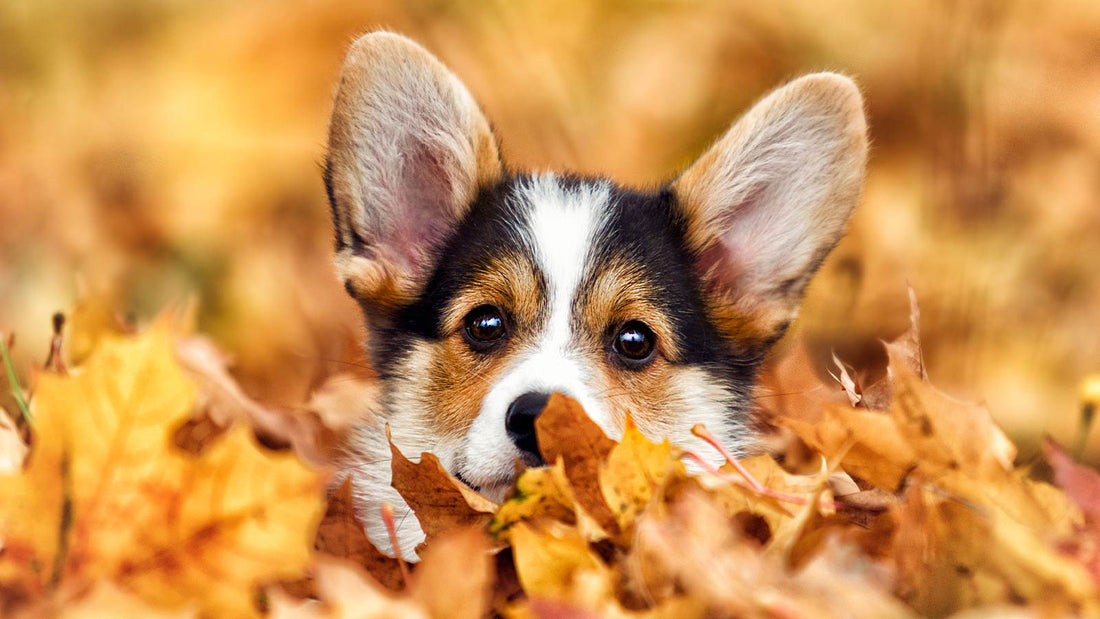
{"points": [[635, 342], [484, 325]]}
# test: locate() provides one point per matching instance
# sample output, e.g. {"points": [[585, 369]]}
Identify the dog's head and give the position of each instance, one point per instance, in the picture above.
{"points": [[486, 290]]}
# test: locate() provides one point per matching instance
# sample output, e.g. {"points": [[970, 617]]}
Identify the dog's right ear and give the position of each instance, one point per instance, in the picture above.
{"points": [[408, 151]]}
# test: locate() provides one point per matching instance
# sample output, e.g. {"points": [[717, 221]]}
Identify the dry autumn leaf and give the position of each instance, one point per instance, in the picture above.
{"points": [[905, 352], [92, 319], [565, 431], [953, 554], [778, 516], [341, 534], [851, 389], [868, 444], [455, 578], [345, 592], [1082, 485], [225, 403], [635, 471], [107, 600], [694, 545], [946, 432], [542, 492], [557, 563], [439, 501], [106, 496]]}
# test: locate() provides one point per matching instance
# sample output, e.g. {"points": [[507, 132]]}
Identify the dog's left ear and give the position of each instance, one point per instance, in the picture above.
{"points": [[766, 204]]}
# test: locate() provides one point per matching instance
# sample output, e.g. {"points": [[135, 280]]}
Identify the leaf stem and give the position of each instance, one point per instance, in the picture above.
{"points": [[13, 382], [387, 518], [1090, 402], [1088, 412], [53, 359], [702, 432]]}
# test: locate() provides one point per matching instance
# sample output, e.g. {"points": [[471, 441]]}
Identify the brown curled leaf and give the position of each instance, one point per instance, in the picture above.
{"points": [[565, 431], [440, 502]]}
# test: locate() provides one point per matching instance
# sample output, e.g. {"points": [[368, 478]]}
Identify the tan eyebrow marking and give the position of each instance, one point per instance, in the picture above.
{"points": [[509, 282], [619, 291]]}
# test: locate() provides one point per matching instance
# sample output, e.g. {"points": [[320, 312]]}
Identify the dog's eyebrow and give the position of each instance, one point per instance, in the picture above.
{"points": [[619, 291], [509, 282]]}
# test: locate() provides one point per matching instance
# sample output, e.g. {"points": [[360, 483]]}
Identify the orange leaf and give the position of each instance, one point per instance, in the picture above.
{"points": [[107, 496], [869, 443], [565, 431]]}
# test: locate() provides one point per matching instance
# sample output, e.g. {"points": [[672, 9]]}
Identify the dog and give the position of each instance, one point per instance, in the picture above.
{"points": [[486, 289]]}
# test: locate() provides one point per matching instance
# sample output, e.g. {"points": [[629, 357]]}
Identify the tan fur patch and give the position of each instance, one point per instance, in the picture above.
{"points": [[375, 282], [745, 325], [459, 378], [458, 381]]}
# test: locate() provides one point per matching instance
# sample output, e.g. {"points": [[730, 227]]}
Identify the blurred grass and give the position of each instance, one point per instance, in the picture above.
{"points": [[157, 150]]}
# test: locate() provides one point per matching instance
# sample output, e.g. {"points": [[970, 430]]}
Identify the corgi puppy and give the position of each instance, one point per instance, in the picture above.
{"points": [[486, 289]]}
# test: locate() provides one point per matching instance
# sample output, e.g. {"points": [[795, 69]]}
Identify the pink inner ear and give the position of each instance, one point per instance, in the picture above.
{"points": [[720, 266], [423, 212]]}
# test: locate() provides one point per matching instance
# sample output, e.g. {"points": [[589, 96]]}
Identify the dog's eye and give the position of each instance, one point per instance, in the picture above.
{"points": [[635, 342], [484, 325]]}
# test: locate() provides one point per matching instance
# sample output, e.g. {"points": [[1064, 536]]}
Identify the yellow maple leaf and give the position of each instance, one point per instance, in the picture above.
{"points": [[540, 492], [91, 320], [558, 564], [106, 495], [635, 470]]}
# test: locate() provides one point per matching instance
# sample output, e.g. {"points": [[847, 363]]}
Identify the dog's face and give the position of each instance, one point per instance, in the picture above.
{"points": [[485, 291]]}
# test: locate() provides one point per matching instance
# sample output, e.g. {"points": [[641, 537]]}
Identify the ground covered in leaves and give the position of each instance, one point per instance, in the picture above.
{"points": [[138, 480]]}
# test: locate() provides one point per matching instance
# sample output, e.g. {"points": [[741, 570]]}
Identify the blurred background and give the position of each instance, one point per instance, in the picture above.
{"points": [[162, 150]]}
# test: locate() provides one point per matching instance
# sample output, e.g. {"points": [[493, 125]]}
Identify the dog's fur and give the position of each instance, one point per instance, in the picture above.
{"points": [[430, 226]]}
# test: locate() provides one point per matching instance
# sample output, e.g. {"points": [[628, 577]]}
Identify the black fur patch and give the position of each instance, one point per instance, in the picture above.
{"points": [[646, 229]]}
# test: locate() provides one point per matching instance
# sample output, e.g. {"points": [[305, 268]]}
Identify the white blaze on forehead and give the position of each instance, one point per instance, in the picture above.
{"points": [[561, 226], [560, 230]]}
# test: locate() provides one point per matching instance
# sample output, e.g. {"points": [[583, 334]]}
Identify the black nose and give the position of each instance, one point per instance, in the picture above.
{"points": [[520, 422]]}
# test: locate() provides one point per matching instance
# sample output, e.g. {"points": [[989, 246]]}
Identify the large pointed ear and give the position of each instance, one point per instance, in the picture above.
{"points": [[408, 152], [766, 204]]}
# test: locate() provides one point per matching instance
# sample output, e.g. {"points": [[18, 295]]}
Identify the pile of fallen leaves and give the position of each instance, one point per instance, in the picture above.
{"points": [[138, 480]]}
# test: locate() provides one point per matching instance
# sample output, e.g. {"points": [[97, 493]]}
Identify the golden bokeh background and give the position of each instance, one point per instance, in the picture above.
{"points": [[159, 150]]}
